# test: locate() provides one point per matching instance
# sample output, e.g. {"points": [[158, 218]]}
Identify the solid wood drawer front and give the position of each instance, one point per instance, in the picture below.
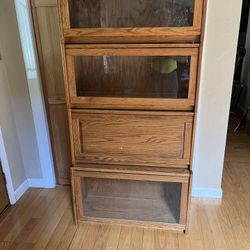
{"points": [[135, 138]]}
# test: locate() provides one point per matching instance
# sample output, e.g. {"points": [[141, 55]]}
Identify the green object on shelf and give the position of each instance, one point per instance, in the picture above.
{"points": [[164, 66]]}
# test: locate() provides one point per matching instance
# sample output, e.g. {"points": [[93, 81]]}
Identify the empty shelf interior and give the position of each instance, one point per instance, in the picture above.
{"points": [[131, 200]]}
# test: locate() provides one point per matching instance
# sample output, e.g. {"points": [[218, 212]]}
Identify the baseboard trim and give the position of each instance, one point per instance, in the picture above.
{"points": [[21, 190], [29, 183], [207, 192], [36, 183], [39, 183]]}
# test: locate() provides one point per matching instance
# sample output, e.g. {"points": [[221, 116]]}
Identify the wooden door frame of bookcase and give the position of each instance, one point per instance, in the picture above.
{"points": [[133, 35], [131, 103], [78, 206]]}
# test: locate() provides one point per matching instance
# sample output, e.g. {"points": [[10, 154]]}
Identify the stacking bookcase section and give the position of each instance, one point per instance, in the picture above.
{"points": [[129, 76], [131, 21], [132, 137], [148, 197], [130, 71]]}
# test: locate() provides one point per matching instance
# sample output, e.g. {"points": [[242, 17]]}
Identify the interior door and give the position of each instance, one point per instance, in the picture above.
{"points": [[46, 26], [4, 199]]}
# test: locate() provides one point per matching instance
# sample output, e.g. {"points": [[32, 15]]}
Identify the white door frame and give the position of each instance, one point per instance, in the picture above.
{"points": [[6, 170], [26, 31]]}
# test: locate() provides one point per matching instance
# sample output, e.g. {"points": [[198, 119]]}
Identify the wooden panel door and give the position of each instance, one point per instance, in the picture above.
{"points": [[4, 199], [132, 138], [45, 17]]}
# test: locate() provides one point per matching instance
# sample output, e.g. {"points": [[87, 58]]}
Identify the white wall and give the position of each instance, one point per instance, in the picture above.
{"points": [[36, 96], [9, 133], [18, 89], [221, 35], [24, 143]]}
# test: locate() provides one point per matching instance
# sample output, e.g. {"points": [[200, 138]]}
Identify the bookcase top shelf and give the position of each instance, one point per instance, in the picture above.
{"points": [[133, 21]]}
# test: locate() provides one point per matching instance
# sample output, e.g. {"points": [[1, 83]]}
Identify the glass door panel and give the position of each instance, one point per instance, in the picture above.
{"points": [[131, 21], [132, 200], [130, 13], [132, 76]]}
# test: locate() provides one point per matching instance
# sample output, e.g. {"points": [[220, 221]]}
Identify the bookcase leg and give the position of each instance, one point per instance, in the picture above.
{"points": [[183, 206], [73, 197], [77, 197], [189, 202]]}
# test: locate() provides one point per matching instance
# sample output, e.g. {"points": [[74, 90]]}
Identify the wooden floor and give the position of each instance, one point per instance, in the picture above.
{"points": [[42, 219]]}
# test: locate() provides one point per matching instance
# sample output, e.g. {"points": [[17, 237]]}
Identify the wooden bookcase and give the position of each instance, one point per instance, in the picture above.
{"points": [[131, 73]]}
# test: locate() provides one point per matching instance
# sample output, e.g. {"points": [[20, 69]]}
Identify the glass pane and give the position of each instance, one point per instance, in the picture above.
{"points": [[131, 200], [131, 76], [131, 13]]}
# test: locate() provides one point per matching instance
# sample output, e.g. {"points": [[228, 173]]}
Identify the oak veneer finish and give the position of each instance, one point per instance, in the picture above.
{"points": [[167, 95], [148, 139], [139, 198], [45, 20], [122, 138], [129, 35], [182, 174]]}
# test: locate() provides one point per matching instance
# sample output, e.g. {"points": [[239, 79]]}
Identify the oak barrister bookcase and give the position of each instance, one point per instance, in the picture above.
{"points": [[131, 79]]}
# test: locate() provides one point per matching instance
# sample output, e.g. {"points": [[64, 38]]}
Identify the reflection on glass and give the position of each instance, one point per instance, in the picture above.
{"points": [[132, 76], [131, 200], [130, 13]]}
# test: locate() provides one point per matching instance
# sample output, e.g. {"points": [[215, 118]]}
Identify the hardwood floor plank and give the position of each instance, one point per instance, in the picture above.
{"points": [[183, 242], [68, 235], [24, 217], [42, 219], [102, 237], [136, 242], [46, 216], [195, 236], [161, 240], [85, 237], [9, 220], [219, 240], [59, 232], [148, 239], [125, 238], [51, 225], [20, 240], [113, 237], [79, 237], [207, 237]]}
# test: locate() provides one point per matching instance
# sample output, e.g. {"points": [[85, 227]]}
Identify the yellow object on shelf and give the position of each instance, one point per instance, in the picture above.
{"points": [[164, 66]]}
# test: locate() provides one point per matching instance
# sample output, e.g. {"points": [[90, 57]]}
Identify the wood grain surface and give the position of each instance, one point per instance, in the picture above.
{"points": [[46, 25], [133, 139], [42, 219]]}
